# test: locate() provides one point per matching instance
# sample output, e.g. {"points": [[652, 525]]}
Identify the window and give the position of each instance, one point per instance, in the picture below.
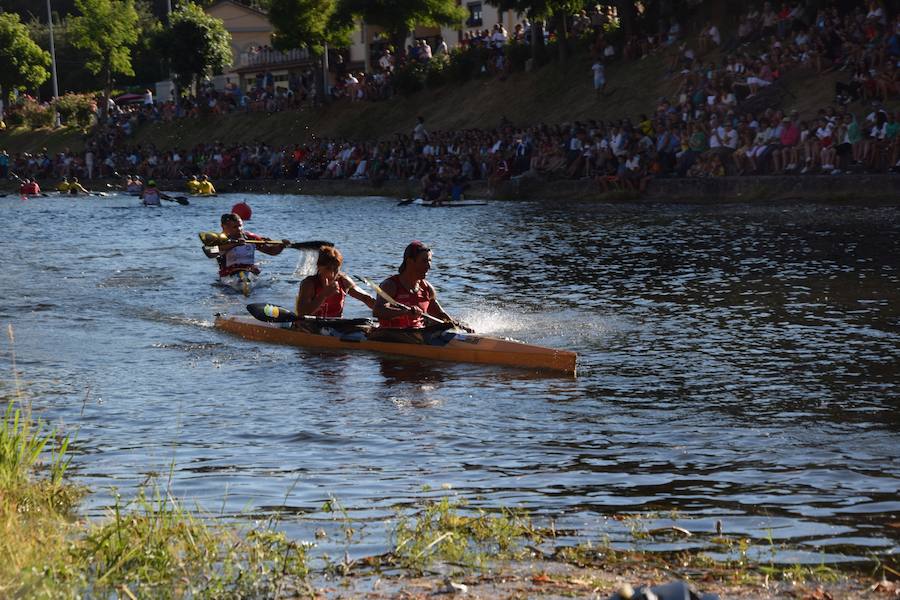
{"points": [[475, 17]]}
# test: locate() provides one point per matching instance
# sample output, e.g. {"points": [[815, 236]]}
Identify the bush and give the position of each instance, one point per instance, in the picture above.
{"points": [[37, 115], [409, 78], [76, 110]]}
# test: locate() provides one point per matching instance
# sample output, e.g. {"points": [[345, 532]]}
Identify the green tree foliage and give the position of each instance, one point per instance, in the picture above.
{"points": [[106, 30], [308, 24], [197, 44], [22, 62], [399, 17]]}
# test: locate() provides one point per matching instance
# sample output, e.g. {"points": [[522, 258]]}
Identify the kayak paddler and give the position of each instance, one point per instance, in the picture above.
{"points": [[239, 256], [150, 196], [76, 188], [410, 288], [30, 187], [323, 294], [192, 185], [63, 186], [205, 187]]}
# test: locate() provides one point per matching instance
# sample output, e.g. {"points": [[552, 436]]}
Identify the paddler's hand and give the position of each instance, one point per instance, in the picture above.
{"points": [[415, 311], [461, 325], [331, 288]]}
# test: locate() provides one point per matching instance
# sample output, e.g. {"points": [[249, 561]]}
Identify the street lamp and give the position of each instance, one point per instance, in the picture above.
{"points": [[56, 122]]}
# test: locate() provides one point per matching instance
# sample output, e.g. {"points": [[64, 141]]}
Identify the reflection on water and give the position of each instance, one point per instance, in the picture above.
{"points": [[736, 364]]}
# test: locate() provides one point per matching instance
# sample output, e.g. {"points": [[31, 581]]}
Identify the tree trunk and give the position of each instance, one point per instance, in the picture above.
{"points": [[537, 40], [107, 90], [398, 39], [562, 35], [627, 16]]}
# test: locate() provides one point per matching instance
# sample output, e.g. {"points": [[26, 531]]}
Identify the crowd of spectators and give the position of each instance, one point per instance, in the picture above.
{"points": [[723, 118]]}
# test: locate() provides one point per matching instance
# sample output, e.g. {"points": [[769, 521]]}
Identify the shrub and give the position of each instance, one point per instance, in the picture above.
{"points": [[37, 115], [76, 110], [409, 79]]}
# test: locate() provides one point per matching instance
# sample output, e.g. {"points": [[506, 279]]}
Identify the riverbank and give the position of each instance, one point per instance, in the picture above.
{"points": [[152, 546], [854, 188]]}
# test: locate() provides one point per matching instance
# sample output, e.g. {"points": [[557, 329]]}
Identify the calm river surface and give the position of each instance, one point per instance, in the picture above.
{"points": [[737, 363]]}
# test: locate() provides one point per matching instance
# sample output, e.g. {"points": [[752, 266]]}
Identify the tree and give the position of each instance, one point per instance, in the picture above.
{"points": [[22, 62], [539, 11], [400, 17], [106, 30], [197, 45], [308, 24]]}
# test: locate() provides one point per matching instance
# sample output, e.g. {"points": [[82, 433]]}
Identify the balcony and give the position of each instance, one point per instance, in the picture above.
{"points": [[267, 57]]}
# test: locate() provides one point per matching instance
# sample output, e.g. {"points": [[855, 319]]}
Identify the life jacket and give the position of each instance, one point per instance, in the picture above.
{"points": [[63, 187], [30, 189], [422, 298], [151, 196], [193, 186], [205, 187], [333, 306], [239, 258]]}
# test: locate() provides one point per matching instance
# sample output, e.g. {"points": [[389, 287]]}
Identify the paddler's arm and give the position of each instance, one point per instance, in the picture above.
{"points": [[436, 310], [357, 293], [274, 247], [383, 310]]}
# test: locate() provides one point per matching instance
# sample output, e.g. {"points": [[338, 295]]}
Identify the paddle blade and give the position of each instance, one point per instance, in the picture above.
{"points": [[312, 245], [211, 238], [181, 200], [271, 313]]}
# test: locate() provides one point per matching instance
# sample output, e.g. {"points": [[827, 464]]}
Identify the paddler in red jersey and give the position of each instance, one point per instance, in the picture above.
{"points": [[239, 256], [30, 187], [409, 288], [323, 294]]}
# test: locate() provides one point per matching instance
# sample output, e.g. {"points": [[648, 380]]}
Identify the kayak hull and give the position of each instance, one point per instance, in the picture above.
{"points": [[242, 282], [448, 203], [463, 347]]}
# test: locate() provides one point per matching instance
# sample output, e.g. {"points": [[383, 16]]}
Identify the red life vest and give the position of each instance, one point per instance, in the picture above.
{"points": [[421, 298], [333, 306], [30, 189]]}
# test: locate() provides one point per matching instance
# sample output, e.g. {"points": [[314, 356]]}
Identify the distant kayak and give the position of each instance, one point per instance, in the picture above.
{"points": [[446, 204]]}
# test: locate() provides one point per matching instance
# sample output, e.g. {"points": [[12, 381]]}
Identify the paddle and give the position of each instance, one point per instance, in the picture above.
{"points": [[271, 313], [211, 238], [390, 300], [182, 200], [406, 201]]}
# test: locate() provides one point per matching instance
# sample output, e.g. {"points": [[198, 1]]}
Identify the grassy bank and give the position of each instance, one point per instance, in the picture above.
{"points": [[555, 93], [152, 546]]}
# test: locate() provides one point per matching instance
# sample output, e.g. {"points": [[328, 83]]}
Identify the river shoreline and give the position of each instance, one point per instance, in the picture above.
{"points": [[861, 188]]}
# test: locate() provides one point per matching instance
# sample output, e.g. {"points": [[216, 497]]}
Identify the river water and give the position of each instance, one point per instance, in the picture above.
{"points": [[736, 364]]}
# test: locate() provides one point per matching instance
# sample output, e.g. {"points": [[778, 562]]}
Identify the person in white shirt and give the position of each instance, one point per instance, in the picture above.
{"points": [[599, 78]]}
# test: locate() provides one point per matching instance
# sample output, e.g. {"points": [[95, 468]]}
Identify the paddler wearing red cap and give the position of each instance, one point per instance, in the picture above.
{"points": [[410, 289]]}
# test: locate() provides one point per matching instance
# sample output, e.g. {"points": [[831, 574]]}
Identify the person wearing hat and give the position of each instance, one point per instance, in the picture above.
{"points": [[150, 196], [404, 319]]}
